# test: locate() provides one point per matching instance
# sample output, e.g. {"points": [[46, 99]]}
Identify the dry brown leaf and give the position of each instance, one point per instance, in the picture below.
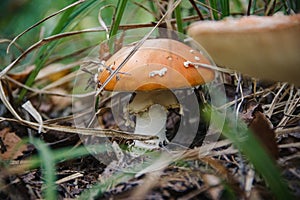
{"points": [[53, 72], [261, 127], [12, 148], [60, 102], [20, 76], [104, 51]]}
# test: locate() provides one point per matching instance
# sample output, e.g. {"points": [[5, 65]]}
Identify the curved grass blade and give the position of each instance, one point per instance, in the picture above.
{"points": [[249, 145], [58, 155], [66, 20], [41, 21]]}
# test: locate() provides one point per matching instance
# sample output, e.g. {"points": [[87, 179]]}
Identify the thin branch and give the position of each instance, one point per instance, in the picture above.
{"points": [[156, 16], [43, 91], [84, 131], [72, 33], [197, 9], [249, 7], [9, 41], [45, 41]]}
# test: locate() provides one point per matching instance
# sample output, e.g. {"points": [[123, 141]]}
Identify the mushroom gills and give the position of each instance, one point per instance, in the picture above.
{"points": [[152, 122], [151, 111]]}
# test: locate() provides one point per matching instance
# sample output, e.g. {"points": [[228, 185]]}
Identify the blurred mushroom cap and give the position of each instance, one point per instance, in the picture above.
{"points": [[266, 47]]}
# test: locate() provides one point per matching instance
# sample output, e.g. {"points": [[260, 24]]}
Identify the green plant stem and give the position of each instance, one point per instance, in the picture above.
{"points": [[225, 8], [152, 7], [253, 7], [179, 19], [44, 53], [116, 22], [213, 5]]}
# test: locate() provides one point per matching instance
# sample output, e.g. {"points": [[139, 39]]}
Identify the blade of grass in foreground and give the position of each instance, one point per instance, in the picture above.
{"points": [[48, 168], [58, 155], [249, 146], [47, 159]]}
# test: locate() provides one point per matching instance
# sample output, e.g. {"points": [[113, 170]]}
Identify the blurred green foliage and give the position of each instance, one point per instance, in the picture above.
{"points": [[17, 15]]}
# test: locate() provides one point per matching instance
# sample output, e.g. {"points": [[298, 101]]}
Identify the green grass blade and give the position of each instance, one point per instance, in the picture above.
{"points": [[264, 165], [43, 53], [118, 16], [213, 5], [238, 4], [63, 22], [116, 22], [63, 154], [253, 7], [48, 169], [81, 12], [179, 19], [225, 8], [152, 6], [47, 160]]}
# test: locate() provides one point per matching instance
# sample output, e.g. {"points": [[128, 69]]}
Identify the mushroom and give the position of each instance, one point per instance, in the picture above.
{"points": [[266, 47], [159, 66]]}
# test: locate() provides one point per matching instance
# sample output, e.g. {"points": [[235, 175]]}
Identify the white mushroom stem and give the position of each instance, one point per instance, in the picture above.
{"points": [[150, 109], [152, 122]]}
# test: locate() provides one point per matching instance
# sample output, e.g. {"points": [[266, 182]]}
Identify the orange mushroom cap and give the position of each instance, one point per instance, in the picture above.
{"points": [[158, 64]]}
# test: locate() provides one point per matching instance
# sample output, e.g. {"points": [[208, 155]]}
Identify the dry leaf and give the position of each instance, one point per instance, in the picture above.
{"points": [[104, 51], [261, 127], [20, 76], [53, 72], [12, 148], [60, 102]]}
